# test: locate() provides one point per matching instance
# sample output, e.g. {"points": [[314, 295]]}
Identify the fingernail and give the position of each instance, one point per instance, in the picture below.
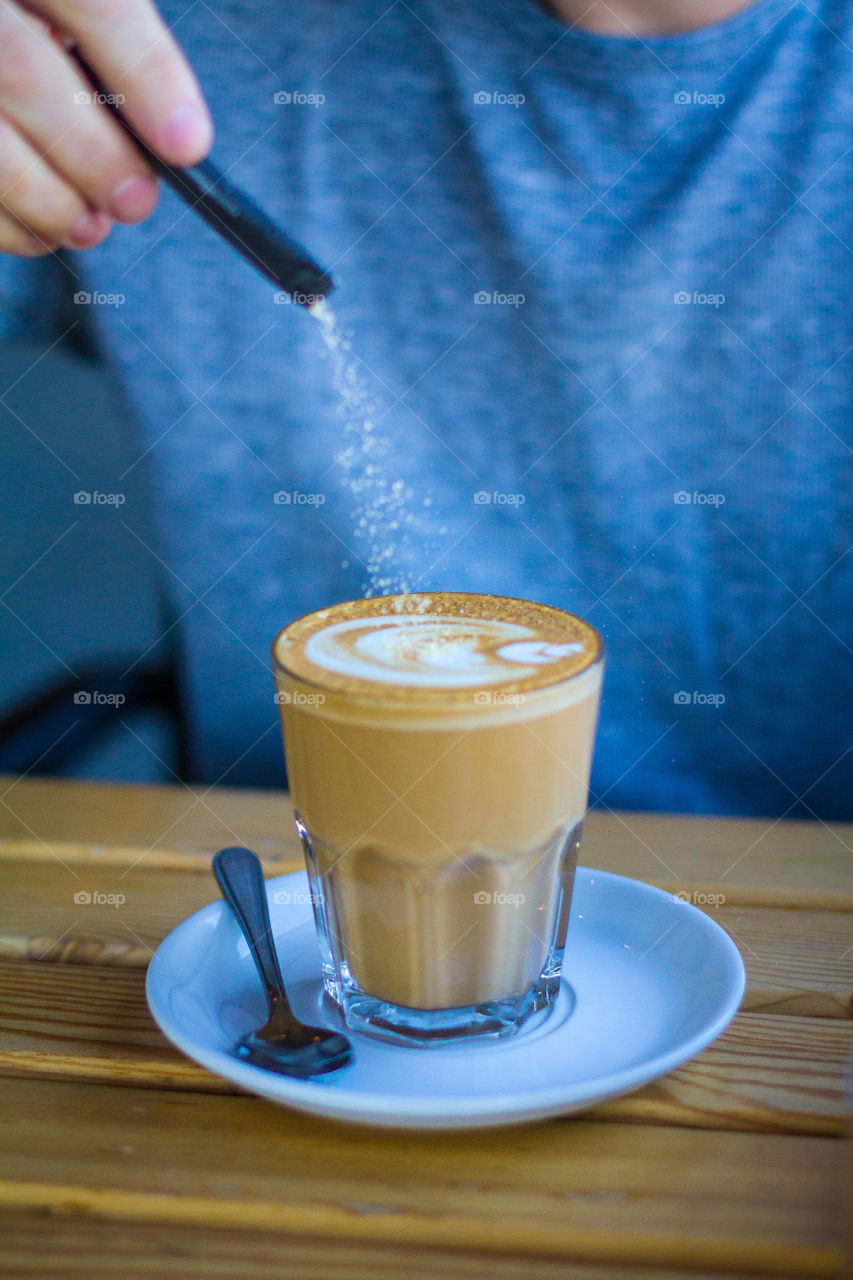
{"points": [[186, 135], [90, 230], [134, 198]]}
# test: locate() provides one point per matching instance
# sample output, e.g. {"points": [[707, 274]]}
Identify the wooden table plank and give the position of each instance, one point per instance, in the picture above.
{"points": [[765, 1073], [720, 1168], [117, 897], [573, 1189], [798, 961], [103, 1250], [150, 817], [762, 861]]}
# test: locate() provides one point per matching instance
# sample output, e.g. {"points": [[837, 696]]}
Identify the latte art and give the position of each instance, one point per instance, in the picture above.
{"points": [[432, 650]]}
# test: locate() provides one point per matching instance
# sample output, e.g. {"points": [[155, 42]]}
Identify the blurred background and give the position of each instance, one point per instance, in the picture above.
{"points": [[75, 602]]}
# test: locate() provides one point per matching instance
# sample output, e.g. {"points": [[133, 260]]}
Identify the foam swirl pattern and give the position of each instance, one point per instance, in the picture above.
{"points": [[429, 645], [427, 649]]}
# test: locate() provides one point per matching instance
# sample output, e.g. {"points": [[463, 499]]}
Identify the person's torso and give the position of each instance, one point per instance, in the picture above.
{"points": [[600, 289]]}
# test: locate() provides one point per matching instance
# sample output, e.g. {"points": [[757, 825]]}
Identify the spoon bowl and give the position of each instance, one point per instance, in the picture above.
{"points": [[295, 1050]]}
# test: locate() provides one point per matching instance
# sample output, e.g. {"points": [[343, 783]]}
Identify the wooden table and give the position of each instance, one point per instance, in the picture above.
{"points": [[121, 1157]]}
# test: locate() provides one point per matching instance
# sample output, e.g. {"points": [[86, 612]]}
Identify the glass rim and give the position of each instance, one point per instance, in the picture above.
{"points": [[426, 695]]}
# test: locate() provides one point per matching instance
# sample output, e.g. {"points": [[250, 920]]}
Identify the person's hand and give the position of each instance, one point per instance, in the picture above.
{"points": [[67, 168]]}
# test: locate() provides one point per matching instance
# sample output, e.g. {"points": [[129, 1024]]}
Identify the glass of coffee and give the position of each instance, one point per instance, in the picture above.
{"points": [[438, 751]]}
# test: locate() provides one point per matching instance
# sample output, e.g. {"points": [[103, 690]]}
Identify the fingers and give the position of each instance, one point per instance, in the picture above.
{"points": [[40, 212], [130, 48], [67, 168], [17, 240], [46, 100]]}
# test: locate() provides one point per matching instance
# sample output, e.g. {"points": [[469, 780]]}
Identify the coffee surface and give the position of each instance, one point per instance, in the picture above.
{"points": [[403, 645]]}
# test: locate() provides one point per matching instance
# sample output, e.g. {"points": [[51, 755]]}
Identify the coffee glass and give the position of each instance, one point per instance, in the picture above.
{"points": [[438, 751]]}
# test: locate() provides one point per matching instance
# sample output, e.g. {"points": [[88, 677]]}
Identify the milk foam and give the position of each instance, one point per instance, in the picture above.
{"points": [[433, 650]]}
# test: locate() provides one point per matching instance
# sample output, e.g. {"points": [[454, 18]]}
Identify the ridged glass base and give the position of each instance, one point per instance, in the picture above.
{"points": [[497, 1019], [511, 938]]}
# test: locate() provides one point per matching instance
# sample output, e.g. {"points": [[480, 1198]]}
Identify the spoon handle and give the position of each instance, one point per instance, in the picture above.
{"points": [[240, 876], [207, 191]]}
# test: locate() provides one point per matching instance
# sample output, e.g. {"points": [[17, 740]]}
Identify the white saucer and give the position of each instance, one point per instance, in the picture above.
{"points": [[655, 981]]}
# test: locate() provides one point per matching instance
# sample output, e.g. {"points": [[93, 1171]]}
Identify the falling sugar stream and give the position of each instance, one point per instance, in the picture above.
{"points": [[382, 507]]}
